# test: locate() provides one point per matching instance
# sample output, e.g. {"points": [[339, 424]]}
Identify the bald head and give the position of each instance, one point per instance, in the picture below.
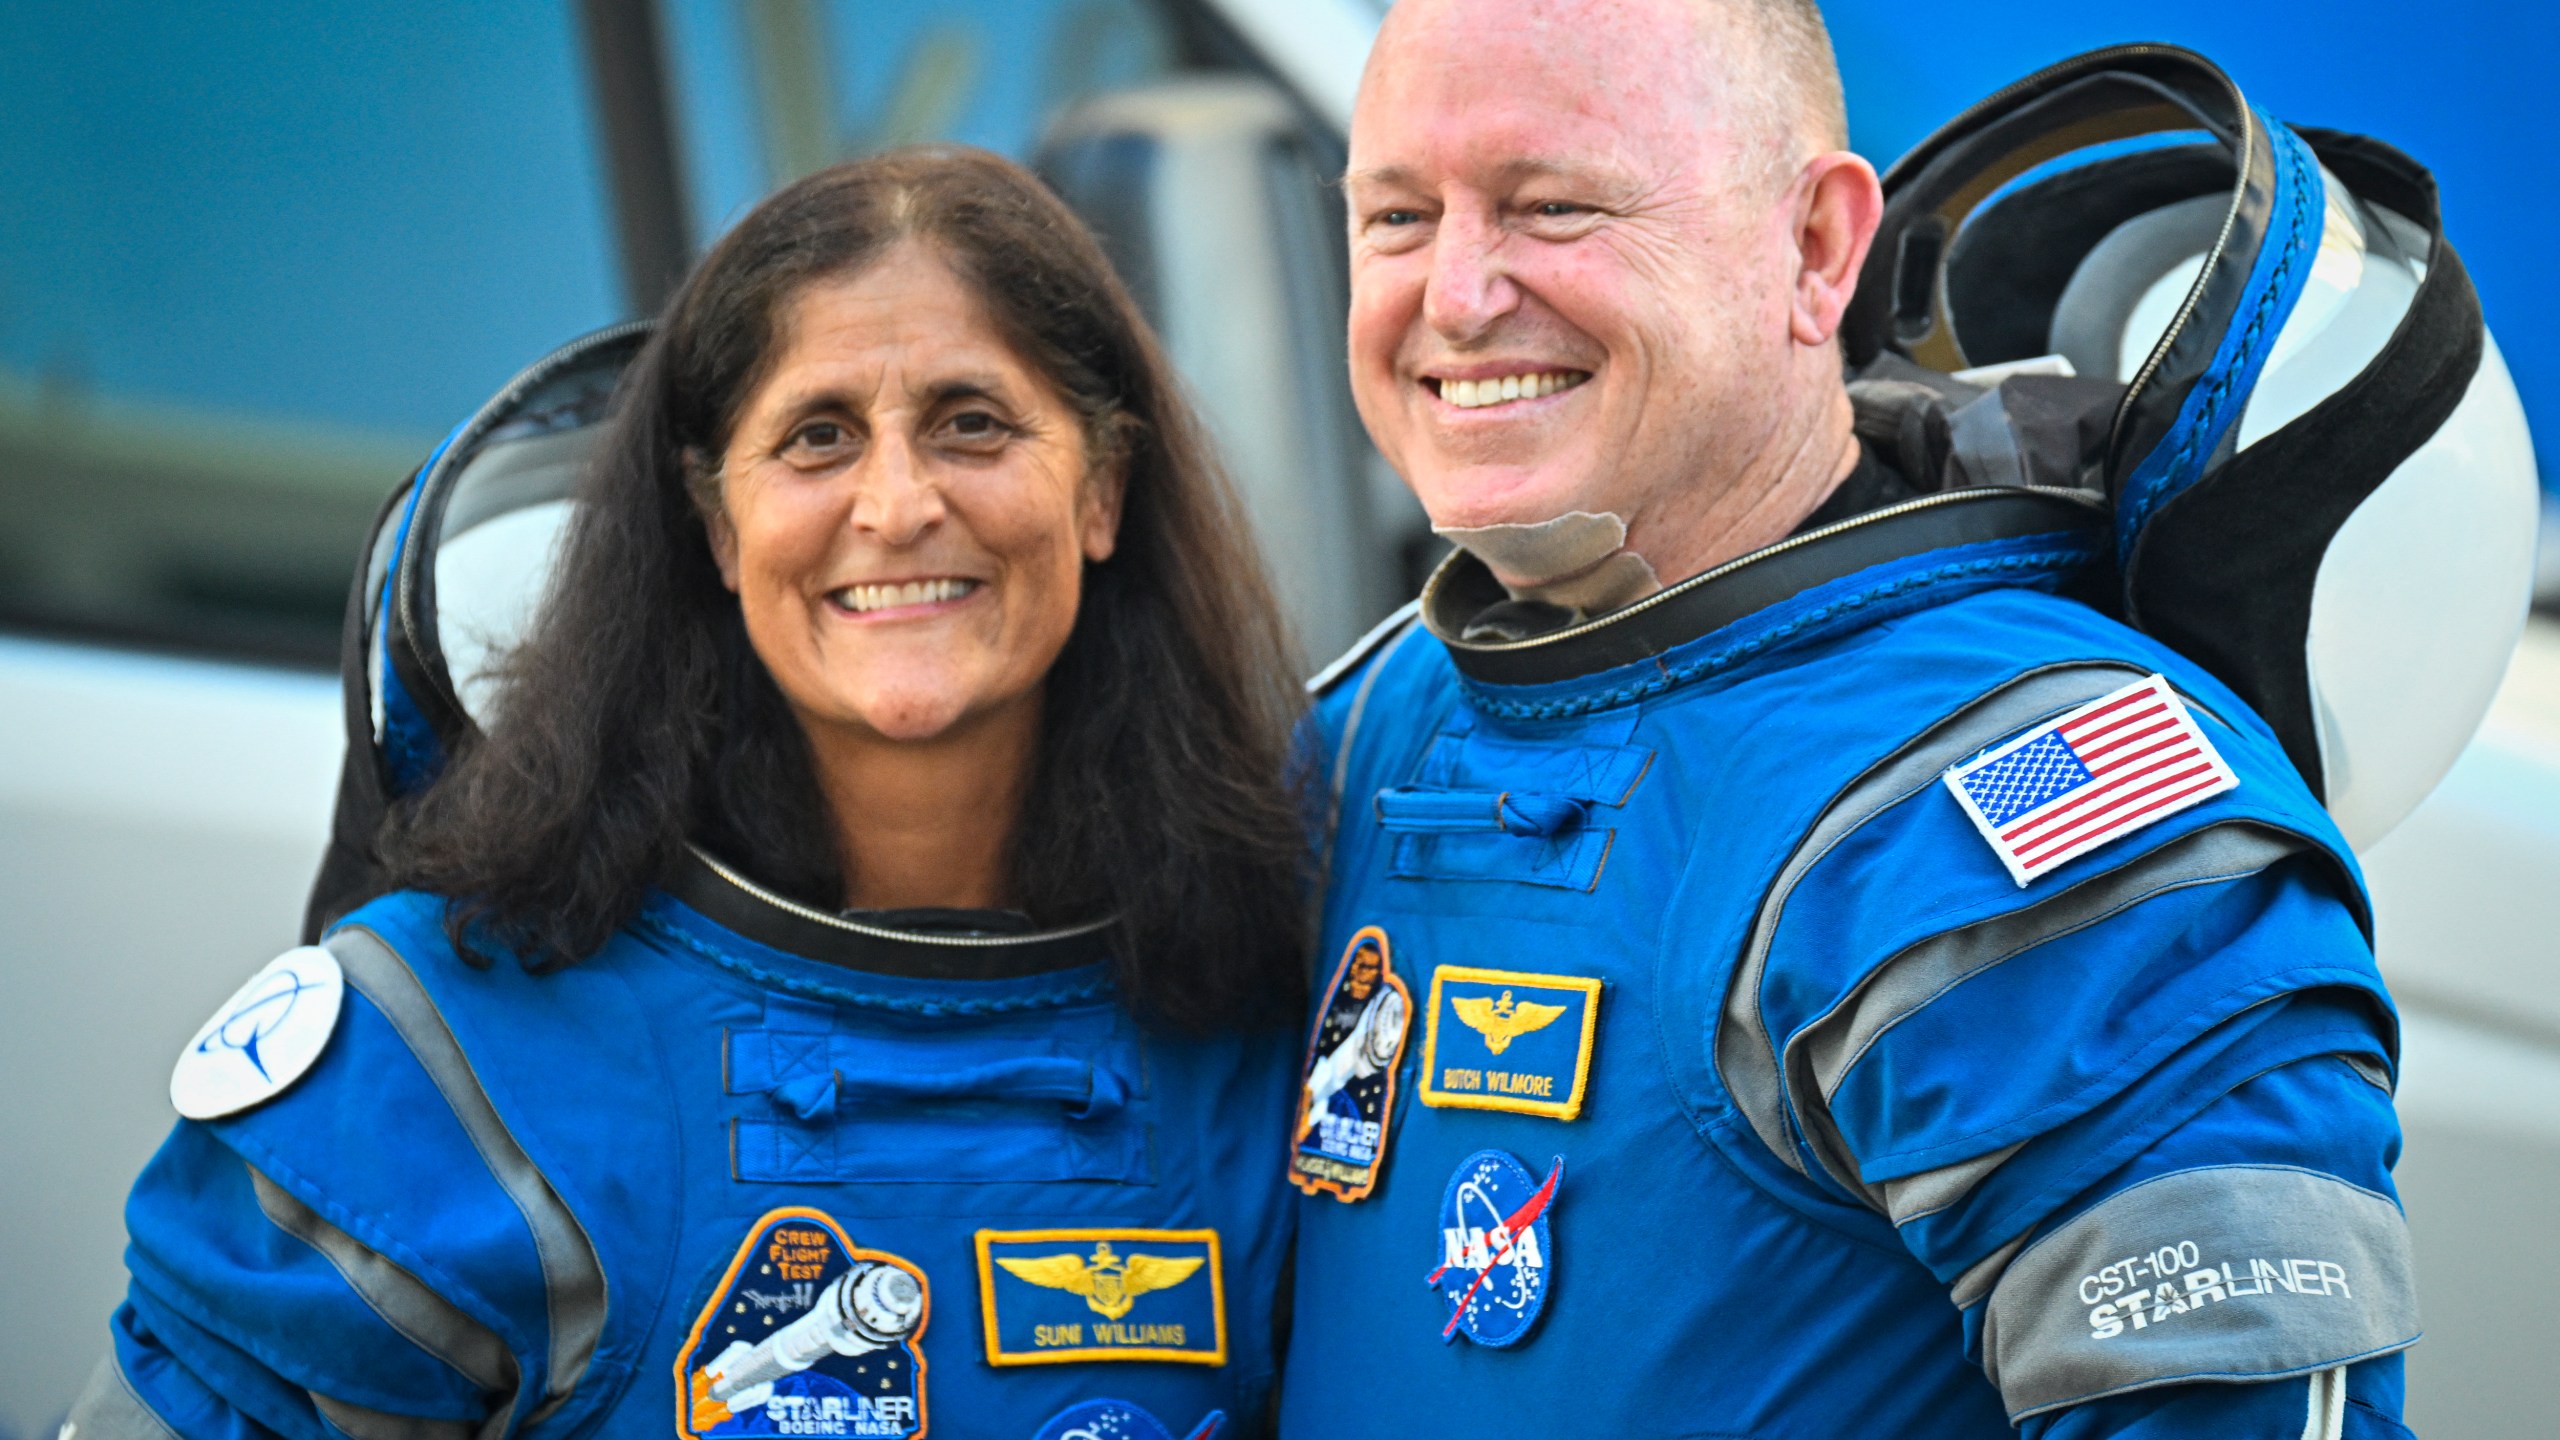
{"points": [[1599, 250], [1761, 68]]}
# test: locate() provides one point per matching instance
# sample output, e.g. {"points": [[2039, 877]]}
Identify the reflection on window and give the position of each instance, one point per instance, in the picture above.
{"points": [[254, 260], [848, 77]]}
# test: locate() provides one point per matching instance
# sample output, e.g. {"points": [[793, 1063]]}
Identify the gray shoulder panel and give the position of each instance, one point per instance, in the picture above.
{"points": [[1367, 645], [1746, 1056], [405, 1303], [1820, 1055], [573, 1278], [108, 1409], [366, 1424], [2230, 1272]]}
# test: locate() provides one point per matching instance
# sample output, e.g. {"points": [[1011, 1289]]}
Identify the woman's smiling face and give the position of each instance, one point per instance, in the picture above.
{"points": [[906, 507]]}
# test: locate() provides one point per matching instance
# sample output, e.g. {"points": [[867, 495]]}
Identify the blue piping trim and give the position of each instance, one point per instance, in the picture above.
{"points": [[409, 745], [2276, 281], [1869, 596]]}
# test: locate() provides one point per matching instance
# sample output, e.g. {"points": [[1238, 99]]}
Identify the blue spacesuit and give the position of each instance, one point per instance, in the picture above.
{"points": [[1769, 1072], [751, 1170]]}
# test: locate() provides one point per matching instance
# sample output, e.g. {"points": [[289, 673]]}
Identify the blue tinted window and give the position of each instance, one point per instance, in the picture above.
{"points": [[254, 259]]}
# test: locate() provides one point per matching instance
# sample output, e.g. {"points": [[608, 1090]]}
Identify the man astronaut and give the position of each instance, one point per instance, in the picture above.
{"points": [[1852, 1101]]}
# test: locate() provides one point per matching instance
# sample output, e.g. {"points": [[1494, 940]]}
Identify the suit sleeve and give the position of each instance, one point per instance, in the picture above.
{"points": [[2137, 1121], [251, 1313]]}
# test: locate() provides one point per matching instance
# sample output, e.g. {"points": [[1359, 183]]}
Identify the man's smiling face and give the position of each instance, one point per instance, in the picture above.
{"points": [[1571, 274]]}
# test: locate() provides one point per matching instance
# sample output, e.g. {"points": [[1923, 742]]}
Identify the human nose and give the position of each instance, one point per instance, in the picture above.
{"points": [[1468, 289], [895, 499]]}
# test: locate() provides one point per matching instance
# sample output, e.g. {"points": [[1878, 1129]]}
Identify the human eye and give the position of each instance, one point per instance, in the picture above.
{"points": [[1557, 216], [976, 429], [818, 442], [1395, 227]]}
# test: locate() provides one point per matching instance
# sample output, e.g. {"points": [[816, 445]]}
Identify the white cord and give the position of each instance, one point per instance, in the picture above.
{"points": [[2328, 1410]]}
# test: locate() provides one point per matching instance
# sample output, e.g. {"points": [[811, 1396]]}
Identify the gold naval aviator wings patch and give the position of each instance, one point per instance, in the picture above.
{"points": [[1509, 1040], [1053, 1296]]}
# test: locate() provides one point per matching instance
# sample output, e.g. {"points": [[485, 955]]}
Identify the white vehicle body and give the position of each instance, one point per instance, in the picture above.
{"points": [[162, 817]]}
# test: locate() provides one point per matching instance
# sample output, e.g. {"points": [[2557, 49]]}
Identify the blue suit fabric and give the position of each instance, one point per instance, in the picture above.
{"points": [[1853, 1095], [506, 1204]]}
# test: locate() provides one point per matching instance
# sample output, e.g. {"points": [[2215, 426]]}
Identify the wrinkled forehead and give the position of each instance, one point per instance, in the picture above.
{"points": [[1638, 87]]}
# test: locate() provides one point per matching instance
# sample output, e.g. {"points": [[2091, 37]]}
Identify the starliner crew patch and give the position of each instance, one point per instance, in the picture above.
{"points": [[806, 1334], [1053, 1296], [1505, 1040], [2104, 770], [1347, 1103], [1120, 1420], [1495, 1251], [263, 1037]]}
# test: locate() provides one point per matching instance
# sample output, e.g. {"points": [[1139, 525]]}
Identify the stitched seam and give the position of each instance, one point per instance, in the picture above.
{"points": [[1889, 1026], [774, 979], [2220, 390], [2142, 1059], [1667, 678], [2289, 1374]]}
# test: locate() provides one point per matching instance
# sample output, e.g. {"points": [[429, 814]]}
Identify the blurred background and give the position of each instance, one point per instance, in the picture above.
{"points": [[255, 260]]}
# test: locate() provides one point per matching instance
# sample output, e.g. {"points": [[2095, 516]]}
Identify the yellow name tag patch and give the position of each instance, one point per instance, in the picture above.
{"points": [[1054, 1296], [1507, 1040]]}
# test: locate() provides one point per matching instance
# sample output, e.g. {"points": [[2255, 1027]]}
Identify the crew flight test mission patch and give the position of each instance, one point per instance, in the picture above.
{"points": [[805, 1334]]}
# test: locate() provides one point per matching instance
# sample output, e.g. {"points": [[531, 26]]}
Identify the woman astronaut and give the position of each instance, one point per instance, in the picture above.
{"points": [[834, 991]]}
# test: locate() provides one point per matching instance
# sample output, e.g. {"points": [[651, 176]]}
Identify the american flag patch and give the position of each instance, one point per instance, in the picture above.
{"points": [[2106, 769]]}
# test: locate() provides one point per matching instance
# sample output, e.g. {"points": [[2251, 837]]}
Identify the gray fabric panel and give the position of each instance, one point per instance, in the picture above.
{"points": [[2234, 1272], [108, 1409], [1821, 1055], [1745, 1057], [2370, 1070], [1976, 1283], [573, 1278], [366, 1424], [431, 1322], [1931, 1191]]}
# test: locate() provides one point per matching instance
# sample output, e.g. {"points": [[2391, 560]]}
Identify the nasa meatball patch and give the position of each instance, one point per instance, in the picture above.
{"points": [[1054, 1296], [1496, 1257], [806, 1334], [263, 1038], [1120, 1420], [1347, 1098]]}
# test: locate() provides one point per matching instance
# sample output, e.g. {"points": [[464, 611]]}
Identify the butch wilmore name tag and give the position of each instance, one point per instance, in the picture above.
{"points": [[1508, 1040]]}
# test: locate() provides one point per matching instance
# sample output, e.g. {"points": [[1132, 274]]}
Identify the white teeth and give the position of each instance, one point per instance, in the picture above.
{"points": [[862, 598], [1476, 394]]}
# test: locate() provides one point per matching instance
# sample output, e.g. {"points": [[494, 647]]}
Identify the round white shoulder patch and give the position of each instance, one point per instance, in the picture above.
{"points": [[262, 1038]]}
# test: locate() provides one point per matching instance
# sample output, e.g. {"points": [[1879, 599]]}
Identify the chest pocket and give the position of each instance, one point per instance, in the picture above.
{"points": [[842, 1094], [1485, 804]]}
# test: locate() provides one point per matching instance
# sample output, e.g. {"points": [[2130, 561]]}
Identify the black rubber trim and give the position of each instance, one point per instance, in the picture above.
{"points": [[1462, 586], [411, 644], [769, 919], [2225, 571]]}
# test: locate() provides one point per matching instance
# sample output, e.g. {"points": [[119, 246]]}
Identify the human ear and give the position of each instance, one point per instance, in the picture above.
{"points": [[1098, 521], [709, 496], [1838, 204]]}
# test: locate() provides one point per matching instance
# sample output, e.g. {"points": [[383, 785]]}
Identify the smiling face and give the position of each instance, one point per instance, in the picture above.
{"points": [[906, 508], [1573, 268]]}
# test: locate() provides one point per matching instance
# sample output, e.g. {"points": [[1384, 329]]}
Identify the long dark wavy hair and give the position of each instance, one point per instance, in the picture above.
{"points": [[636, 716]]}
